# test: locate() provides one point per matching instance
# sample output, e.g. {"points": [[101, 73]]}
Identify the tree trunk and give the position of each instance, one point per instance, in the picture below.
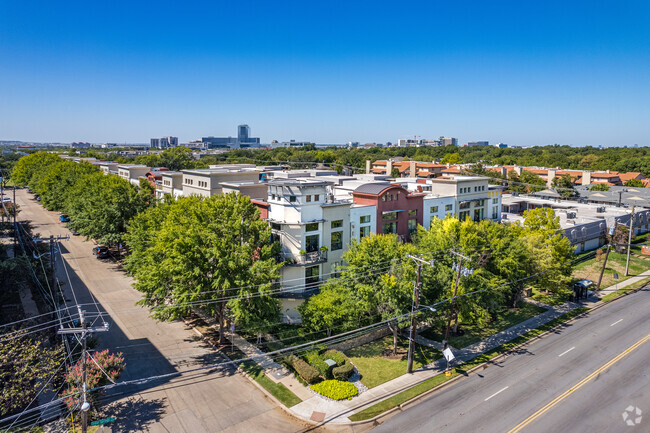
{"points": [[222, 322], [394, 331]]}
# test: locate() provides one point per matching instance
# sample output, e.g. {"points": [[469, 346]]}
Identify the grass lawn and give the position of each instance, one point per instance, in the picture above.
{"points": [[428, 384], [376, 369], [590, 269], [474, 333], [621, 292], [278, 390], [553, 299]]}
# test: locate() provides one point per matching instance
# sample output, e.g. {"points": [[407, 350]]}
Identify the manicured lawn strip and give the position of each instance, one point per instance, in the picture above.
{"points": [[620, 292], [550, 298], [590, 269], [475, 333], [375, 369], [278, 390], [428, 384]]}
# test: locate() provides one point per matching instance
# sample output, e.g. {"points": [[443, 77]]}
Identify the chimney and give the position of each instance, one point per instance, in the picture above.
{"points": [[389, 166], [412, 169], [367, 166], [517, 170], [550, 177], [586, 177], [504, 172]]}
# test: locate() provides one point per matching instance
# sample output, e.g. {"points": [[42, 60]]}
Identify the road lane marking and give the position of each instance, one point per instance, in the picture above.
{"points": [[618, 321], [499, 391], [579, 385], [566, 351]]}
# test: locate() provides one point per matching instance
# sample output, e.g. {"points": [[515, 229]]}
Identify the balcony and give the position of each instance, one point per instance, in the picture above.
{"points": [[311, 258]]}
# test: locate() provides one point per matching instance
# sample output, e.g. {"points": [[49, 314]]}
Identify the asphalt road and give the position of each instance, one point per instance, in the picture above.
{"points": [[210, 401], [579, 379]]}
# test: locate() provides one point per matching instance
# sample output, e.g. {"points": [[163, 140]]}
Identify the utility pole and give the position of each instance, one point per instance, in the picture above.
{"points": [[414, 307], [453, 299], [84, 330], [602, 270], [15, 226], [629, 243]]}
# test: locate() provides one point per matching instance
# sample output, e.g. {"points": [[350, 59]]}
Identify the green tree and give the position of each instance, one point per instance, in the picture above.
{"points": [[29, 165], [58, 180], [564, 186], [636, 183], [25, 367], [394, 173], [212, 253], [452, 158], [515, 184], [533, 182], [599, 187]]}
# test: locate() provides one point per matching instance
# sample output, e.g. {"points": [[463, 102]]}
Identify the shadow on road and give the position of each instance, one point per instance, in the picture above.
{"points": [[134, 413]]}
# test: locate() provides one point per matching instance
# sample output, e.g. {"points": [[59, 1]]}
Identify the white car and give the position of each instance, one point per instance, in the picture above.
{"points": [[6, 199]]}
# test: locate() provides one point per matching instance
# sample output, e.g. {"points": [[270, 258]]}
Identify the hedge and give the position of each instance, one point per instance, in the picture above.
{"points": [[335, 356], [318, 362], [343, 372], [336, 389], [308, 373]]}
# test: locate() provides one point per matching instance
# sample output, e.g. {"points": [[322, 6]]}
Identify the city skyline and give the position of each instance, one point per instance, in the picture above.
{"points": [[507, 72]]}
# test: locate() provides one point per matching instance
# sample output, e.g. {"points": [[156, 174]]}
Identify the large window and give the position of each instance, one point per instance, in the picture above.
{"points": [[495, 213], [311, 243], [462, 216], [413, 224], [478, 214], [390, 228], [448, 208], [311, 227], [276, 226], [336, 224], [495, 201], [336, 241], [364, 231], [311, 276], [292, 198], [479, 203], [413, 212], [364, 219], [389, 216], [307, 198], [434, 209], [463, 205]]}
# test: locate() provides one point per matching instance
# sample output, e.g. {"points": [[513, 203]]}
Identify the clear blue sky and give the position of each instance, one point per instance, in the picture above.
{"points": [[520, 72]]}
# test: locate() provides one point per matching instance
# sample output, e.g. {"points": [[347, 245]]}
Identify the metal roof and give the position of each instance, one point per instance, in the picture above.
{"points": [[373, 187]]}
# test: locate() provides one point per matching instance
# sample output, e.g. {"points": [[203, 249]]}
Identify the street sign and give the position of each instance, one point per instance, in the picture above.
{"points": [[448, 355], [103, 421], [615, 276]]}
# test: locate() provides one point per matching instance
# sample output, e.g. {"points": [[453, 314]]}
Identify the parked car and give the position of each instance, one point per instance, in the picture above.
{"points": [[6, 199], [64, 218], [101, 251]]}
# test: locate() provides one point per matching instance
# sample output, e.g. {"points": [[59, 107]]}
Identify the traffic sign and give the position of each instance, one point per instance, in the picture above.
{"points": [[103, 421], [449, 356]]}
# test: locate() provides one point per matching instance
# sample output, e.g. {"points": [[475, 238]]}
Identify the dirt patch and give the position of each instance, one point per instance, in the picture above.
{"points": [[388, 354]]}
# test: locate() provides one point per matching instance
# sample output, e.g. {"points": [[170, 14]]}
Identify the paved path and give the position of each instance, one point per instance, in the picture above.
{"points": [[211, 400], [623, 284]]}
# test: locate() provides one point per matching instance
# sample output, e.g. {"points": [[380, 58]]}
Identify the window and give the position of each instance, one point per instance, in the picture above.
{"points": [[389, 216], [480, 203], [448, 207], [478, 214], [463, 205], [364, 231], [292, 198], [413, 225], [336, 241], [337, 224], [390, 228], [495, 214], [272, 196], [311, 243], [495, 201], [413, 212], [311, 276], [364, 219], [316, 197], [462, 216], [383, 198], [276, 226], [311, 227], [308, 198], [434, 209]]}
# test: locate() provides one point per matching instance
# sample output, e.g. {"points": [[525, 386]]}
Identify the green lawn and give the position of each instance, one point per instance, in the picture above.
{"points": [[376, 369], [621, 292], [474, 333], [428, 384], [553, 299], [278, 390], [590, 269]]}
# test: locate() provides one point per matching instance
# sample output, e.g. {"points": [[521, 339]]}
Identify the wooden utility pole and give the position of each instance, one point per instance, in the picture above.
{"points": [[415, 304], [602, 270], [629, 243], [453, 299]]}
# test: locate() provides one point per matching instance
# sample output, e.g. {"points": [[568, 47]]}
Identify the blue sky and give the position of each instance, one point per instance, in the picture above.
{"points": [[519, 72]]}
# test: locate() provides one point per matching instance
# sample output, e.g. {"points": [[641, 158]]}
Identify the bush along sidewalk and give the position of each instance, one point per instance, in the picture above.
{"points": [[439, 379]]}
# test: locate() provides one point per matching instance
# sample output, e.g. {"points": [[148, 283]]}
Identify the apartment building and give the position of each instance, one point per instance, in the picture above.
{"points": [[207, 181], [171, 183], [132, 172]]}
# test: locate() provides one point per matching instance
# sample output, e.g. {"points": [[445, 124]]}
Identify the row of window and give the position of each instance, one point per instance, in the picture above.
{"points": [[293, 199], [391, 227], [448, 208], [468, 189], [390, 197]]}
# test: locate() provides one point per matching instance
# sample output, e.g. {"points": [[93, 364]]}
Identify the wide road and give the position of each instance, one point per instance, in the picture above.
{"points": [[210, 401], [579, 379]]}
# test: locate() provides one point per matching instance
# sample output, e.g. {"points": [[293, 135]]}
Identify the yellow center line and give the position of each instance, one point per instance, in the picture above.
{"points": [[578, 385]]}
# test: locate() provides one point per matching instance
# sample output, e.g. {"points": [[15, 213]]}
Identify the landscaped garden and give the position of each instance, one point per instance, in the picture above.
{"points": [[377, 363], [472, 333]]}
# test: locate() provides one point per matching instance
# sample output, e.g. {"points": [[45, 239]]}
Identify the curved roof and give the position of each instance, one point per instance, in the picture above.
{"points": [[373, 187]]}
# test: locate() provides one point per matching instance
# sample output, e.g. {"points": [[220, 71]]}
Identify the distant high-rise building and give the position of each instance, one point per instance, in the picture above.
{"points": [[164, 142], [478, 143], [243, 132], [243, 139], [448, 141]]}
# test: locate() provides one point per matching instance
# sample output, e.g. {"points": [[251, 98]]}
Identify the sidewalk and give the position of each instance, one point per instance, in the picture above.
{"points": [[623, 284]]}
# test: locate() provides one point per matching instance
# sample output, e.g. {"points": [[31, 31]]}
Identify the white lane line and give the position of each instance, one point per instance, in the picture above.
{"points": [[616, 322], [566, 351], [499, 391]]}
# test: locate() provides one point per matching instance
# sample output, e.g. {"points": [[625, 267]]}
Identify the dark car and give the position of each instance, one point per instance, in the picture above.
{"points": [[64, 218], [101, 251]]}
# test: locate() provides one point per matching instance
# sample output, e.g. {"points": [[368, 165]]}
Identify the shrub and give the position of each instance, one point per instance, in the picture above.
{"points": [[335, 356], [308, 373], [336, 389], [343, 372], [314, 359]]}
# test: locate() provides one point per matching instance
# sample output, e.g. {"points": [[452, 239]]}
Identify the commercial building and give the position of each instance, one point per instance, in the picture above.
{"points": [[242, 140], [477, 143], [164, 142]]}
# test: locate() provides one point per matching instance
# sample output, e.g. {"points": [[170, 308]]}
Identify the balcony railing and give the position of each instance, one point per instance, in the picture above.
{"points": [[305, 259]]}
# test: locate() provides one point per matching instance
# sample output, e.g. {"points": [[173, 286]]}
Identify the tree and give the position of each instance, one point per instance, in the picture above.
{"points": [[452, 158], [334, 307], [515, 184], [57, 181], [29, 165], [534, 183], [564, 185], [25, 367], [599, 187], [394, 173], [636, 183], [212, 253]]}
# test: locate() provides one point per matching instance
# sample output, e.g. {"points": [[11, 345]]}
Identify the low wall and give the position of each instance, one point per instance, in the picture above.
{"points": [[362, 339]]}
